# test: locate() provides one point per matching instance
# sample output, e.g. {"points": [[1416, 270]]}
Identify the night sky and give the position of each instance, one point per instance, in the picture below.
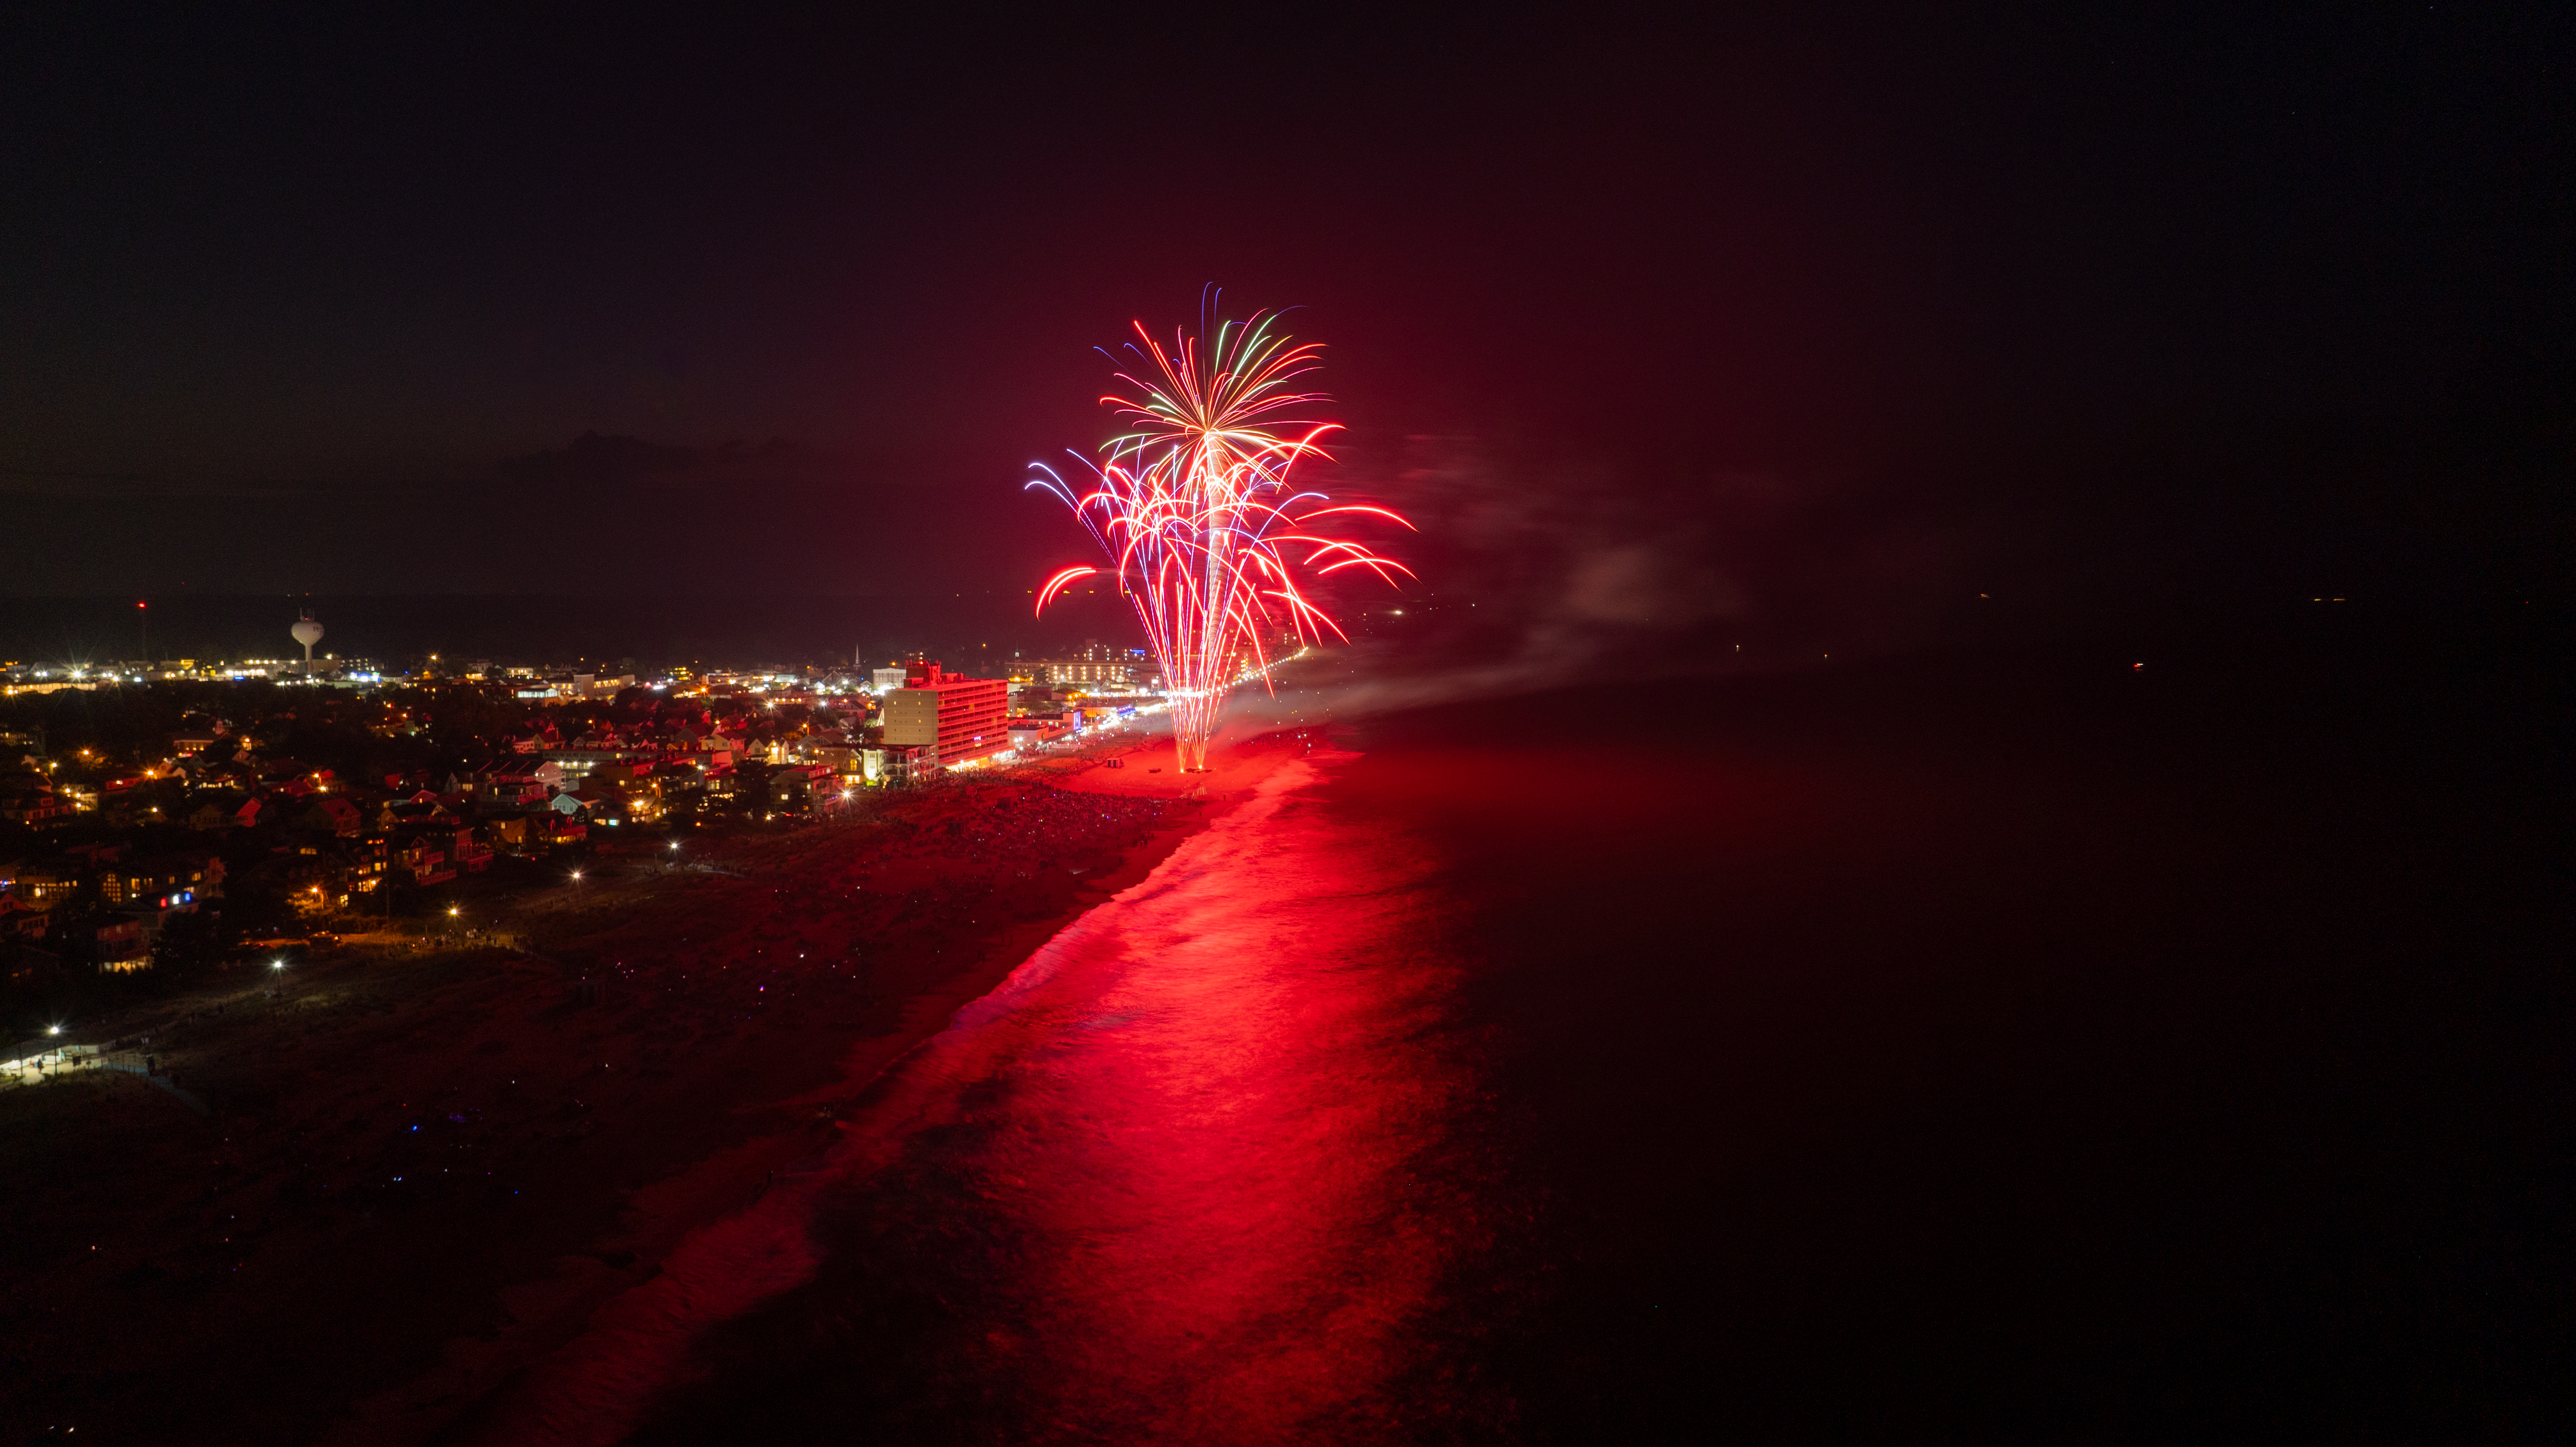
{"points": [[1846, 316]]}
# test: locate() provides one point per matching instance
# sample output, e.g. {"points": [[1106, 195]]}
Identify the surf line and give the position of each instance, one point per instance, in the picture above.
{"points": [[603, 1384]]}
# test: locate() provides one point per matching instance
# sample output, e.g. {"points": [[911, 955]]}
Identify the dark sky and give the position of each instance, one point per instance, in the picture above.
{"points": [[1765, 313]]}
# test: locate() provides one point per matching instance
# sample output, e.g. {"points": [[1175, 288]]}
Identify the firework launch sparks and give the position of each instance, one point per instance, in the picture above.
{"points": [[1194, 508]]}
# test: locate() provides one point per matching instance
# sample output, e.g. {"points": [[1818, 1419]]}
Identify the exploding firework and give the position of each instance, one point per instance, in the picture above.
{"points": [[1194, 509]]}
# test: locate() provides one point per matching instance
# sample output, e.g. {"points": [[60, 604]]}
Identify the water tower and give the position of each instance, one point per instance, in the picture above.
{"points": [[308, 633]]}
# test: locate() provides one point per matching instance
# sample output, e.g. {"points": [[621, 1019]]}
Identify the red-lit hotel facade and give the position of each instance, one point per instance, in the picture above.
{"points": [[955, 718]]}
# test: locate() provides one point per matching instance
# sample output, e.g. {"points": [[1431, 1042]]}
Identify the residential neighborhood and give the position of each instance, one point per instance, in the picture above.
{"points": [[177, 817]]}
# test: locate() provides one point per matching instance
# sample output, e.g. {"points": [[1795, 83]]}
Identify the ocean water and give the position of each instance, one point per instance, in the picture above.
{"points": [[1200, 1171], [1994, 1051]]}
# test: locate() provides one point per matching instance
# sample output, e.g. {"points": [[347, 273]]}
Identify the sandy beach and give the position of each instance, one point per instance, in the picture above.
{"points": [[427, 1169]]}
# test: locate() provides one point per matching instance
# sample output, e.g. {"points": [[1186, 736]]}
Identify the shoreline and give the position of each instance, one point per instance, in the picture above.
{"points": [[478, 1389], [429, 1161]]}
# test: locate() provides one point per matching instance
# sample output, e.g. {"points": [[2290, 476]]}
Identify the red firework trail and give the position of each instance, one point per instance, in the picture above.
{"points": [[1195, 511]]}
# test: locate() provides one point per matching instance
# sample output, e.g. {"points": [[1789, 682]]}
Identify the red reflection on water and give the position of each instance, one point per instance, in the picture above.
{"points": [[1215, 1093], [1204, 1122]]}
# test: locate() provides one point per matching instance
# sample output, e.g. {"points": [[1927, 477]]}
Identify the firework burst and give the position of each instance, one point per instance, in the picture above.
{"points": [[1194, 508]]}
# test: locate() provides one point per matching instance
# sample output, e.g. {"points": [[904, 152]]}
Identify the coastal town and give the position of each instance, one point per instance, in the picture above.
{"points": [[180, 816], [495, 997]]}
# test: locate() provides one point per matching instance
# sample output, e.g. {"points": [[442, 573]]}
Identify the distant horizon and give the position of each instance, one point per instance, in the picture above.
{"points": [[397, 631], [392, 628]]}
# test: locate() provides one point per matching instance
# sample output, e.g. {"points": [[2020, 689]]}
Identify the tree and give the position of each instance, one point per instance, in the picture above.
{"points": [[188, 943]]}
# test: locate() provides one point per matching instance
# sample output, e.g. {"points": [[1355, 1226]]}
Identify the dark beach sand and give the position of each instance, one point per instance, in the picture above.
{"points": [[426, 1170]]}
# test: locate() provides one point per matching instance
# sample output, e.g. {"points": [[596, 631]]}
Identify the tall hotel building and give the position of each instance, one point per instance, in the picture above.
{"points": [[955, 718]]}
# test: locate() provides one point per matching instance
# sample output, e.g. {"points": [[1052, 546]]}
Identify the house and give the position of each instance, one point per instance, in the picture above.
{"points": [[577, 762], [515, 781], [421, 808], [537, 739], [369, 861], [335, 814], [208, 872], [217, 813], [896, 765], [793, 788], [37, 807], [669, 779], [707, 751], [41, 885], [642, 791], [114, 943], [153, 911], [421, 857], [169, 879], [20, 920], [208, 771], [834, 751]]}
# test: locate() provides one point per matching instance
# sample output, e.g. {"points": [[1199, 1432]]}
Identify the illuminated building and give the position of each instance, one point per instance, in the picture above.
{"points": [[164, 881], [577, 761], [955, 718], [115, 945], [36, 808], [1098, 668], [43, 886], [793, 788], [1034, 732], [893, 765], [518, 780]]}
